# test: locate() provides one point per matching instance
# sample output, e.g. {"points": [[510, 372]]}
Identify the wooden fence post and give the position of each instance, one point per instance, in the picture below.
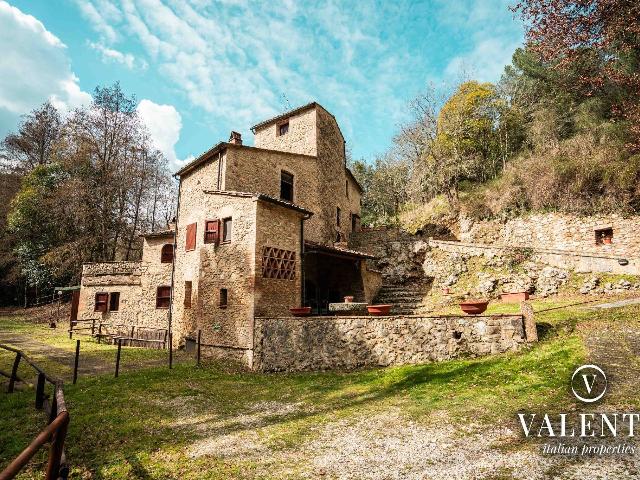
{"points": [[75, 363], [56, 450], [100, 332], [93, 327], [14, 372], [54, 404], [170, 350], [199, 337], [118, 356], [40, 391]]}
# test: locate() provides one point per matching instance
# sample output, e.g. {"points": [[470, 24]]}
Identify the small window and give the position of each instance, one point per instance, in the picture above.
{"points": [[166, 255], [226, 229], [190, 243], [604, 236], [187, 294], [355, 222], [224, 298], [338, 216], [283, 128], [114, 301], [211, 231], [101, 303], [163, 297], [286, 186]]}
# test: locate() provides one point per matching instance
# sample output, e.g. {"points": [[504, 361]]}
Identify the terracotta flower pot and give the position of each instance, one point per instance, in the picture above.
{"points": [[514, 297], [348, 299], [378, 309], [300, 311], [606, 240], [446, 291], [474, 307]]}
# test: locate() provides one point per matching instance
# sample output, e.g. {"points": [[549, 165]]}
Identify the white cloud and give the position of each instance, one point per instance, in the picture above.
{"points": [[115, 56], [33, 70], [99, 17], [164, 124]]}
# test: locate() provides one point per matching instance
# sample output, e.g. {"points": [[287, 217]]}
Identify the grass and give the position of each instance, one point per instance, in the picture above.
{"points": [[142, 424]]}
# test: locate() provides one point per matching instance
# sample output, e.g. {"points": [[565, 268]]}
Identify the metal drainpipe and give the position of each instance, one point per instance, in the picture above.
{"points": [[173, 263], [302, 254]]}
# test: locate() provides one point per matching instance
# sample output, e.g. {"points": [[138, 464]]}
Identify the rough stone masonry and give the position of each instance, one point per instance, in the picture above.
{"points": [[323, 343]]}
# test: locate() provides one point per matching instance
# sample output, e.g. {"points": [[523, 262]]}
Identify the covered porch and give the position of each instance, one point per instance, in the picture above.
{"points": [[332, 273]]}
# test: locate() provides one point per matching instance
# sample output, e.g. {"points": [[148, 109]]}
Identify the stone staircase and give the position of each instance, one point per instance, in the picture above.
{"points": [[406, 299]]}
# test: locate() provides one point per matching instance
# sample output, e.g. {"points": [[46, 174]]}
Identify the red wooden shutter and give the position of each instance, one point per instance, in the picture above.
{"points": [[212, 231], [101, 302], [191, 236]]}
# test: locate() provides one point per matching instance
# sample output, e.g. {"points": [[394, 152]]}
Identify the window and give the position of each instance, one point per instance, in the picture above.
{"points": [[338, 216], [286, 186], [191, 237], [163, 297], [355, 221], [223, 298], [283, 128], [114, 301], [187, 294], [604, 236], [101, 303], [278, 263], [166, 255], [226, 229], [211, 231]]}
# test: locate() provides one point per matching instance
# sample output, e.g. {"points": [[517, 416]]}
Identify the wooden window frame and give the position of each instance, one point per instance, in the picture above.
{"points": [[164, 253], [101, 305], [223, 225], [279, 125], [160, 300], [191, 237], [283, 173], [224, 298], [212, 235], [188, 288]]}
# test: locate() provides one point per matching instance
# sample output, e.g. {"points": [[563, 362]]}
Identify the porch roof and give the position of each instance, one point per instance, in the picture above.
{"points": [[313, 247]]}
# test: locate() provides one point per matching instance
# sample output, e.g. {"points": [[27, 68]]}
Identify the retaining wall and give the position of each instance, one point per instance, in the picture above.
{"points": [[322, 343]]}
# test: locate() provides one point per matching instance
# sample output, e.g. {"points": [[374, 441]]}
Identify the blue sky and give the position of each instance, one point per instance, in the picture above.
{"points": [[203, 68]]}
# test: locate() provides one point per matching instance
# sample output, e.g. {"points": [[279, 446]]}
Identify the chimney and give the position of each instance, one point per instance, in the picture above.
{"points": [[235, 138]]}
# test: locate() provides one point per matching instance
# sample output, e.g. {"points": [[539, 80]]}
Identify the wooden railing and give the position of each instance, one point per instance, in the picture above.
{"points": [[54, 433]]}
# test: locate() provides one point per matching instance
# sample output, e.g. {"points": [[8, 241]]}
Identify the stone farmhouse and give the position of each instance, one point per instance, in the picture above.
{"points": [[259, 229]]}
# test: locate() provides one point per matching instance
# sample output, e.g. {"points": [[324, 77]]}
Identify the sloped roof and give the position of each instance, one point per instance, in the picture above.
{"points": [[159, 233], [262, 196], [313, 246]]}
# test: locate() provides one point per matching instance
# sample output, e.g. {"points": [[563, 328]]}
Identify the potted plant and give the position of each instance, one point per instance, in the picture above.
{"points": [[378, 310], [300, 311], [514, 297], [348, 299], [474, 307]]}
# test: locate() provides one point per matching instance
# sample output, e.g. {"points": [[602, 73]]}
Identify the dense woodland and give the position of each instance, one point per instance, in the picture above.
{"points": [[559, 132], [77, 189]]}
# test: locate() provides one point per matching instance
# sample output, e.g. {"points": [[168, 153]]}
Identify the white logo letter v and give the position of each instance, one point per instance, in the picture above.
{"points": [[586, 381]]}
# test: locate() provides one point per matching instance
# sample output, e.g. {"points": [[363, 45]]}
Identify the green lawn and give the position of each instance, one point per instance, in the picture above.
{"points": [[143, 424]]}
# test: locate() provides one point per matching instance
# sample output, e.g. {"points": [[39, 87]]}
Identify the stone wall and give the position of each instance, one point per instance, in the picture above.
{"points": [[277, 227], [211, 267], [321, 343], [136, 282], [301, 137], [555, 231]]}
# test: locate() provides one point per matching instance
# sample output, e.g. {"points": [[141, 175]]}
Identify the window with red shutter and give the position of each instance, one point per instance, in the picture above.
{"points": [[211, 231], [191, 237], [163, 297], [101, 302]]}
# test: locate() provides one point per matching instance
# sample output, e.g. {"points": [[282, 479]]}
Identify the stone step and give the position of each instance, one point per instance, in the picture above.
{"points": [[399, 298]]}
